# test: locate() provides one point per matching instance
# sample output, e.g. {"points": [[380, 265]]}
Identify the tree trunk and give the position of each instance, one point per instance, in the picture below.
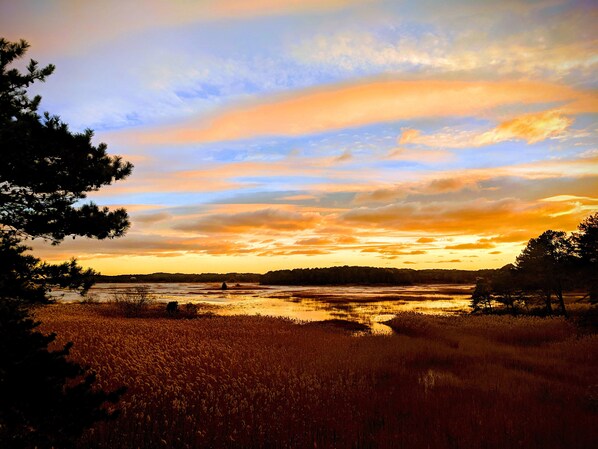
{"points": [[559, 295]]}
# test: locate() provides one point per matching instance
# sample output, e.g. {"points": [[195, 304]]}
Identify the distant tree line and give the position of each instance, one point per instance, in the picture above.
{"points": [[344, 275], [370, 276], [548, 266]]}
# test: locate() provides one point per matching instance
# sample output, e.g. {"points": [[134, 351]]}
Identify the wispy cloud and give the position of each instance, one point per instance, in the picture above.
{"points": [[73, 25], [469, 246], [540, 44], [421, 156]]}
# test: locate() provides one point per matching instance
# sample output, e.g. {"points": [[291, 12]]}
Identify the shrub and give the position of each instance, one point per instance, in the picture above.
{"points": [[191, 310], [172, 307], [134, 301]]}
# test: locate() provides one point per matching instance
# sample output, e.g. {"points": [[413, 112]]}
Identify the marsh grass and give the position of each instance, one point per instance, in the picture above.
{"points": [[259, 382]]}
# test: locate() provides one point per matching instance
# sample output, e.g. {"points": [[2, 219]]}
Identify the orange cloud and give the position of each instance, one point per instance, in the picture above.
{"points": [[390, 251], [531, 127], [409, 135], [476, 245], [235, 8], [446, 138], [215, 177], [132, 244], [480, 217], [584, 169], [442, 185], [151, 218], [512, 237], [383, 195], [314, 241], [572, 198], [425, 156], [170, 182], [425, 187], [265, 219], [298, 198], [344, 106], [295, 252], [346, 239]]}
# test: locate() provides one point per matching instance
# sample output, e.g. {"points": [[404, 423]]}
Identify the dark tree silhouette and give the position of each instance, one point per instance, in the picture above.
{"points": [[45, 400], [481, 298], [500, 288], [369, 275], [24, 277], [45, 168], [586, 247], [45, 171], [545, 266], [506, 288]]}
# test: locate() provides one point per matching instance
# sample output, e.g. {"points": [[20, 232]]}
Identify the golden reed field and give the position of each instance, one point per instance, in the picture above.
{"points": [[260, 382]]}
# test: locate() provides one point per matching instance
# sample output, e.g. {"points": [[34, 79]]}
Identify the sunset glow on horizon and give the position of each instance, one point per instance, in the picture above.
{"points": [[288, 134]]}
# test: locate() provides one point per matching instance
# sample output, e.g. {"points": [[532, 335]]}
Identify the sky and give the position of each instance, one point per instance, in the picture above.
{"points": [[273, 134]]}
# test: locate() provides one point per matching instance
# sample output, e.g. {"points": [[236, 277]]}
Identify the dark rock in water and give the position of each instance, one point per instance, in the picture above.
{"points": [[224, 286]]}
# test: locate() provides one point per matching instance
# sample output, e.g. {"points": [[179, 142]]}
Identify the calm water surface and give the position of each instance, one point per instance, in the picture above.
{"points": [[370, 305]]}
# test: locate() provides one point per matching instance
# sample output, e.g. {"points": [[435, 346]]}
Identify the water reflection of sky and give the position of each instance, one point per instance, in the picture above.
{"points": [[369, 305]]}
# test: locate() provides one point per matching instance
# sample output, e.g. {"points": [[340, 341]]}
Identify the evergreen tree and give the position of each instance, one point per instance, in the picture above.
{"points": [[545, 265], [47, 400], [586, 247], [46, 171]]}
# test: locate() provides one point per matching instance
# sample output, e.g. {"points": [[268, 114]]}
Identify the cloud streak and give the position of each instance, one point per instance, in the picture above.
{"points": [[73, 25], [338, 107], [265, 219]]}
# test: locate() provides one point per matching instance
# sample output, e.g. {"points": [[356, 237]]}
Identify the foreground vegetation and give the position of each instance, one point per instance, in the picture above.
{"points": [[238, 382]]}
